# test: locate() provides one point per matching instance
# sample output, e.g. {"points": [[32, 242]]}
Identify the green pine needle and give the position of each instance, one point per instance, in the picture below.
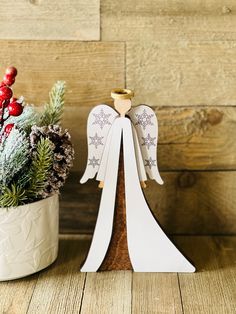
{"points": [[40, 168], [12, 197], [53, 111]]}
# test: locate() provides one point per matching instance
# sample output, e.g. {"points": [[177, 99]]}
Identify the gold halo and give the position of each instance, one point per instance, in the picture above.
{"points": [[122, 93]]}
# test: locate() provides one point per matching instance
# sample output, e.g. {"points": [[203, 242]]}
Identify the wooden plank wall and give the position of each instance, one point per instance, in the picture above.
{"points": [[178, 56]]}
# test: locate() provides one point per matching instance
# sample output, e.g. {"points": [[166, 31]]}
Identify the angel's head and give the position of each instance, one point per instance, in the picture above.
{"points": [[122, 100]]}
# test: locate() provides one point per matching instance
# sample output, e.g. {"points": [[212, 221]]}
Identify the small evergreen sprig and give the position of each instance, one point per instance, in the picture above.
{"points": [[53, 111], [40, 168], [12, 196]]}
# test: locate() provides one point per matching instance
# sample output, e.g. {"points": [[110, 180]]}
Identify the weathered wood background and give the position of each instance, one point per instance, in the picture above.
{"points": [[178, 56]]}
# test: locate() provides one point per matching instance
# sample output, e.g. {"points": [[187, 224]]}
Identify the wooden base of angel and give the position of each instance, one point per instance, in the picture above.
{"points": [[117, 256], [126, 235]]}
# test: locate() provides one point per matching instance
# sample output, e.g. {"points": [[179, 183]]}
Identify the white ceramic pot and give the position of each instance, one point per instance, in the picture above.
{"points": [[28, 238]]}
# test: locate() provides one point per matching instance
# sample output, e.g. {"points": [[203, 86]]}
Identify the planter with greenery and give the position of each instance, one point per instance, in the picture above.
{"points": [[36, 155]]}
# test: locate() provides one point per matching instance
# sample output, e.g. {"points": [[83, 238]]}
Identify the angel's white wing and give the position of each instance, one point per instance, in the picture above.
{"points": [[99, 123], [146, 125]]}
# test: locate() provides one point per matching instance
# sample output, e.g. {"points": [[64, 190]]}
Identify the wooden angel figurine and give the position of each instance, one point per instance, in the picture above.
{"points": [[126, 236]]}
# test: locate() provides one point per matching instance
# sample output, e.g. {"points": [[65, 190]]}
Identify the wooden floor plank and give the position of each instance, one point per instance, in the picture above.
{"points": [[59, 289], [107, 293], [213, 288], [155, 293], [15, 295], [63, 289]]}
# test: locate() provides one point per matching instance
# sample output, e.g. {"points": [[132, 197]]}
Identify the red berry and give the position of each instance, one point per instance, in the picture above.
{"points": [[8, 128], [12, 71], [5, 93], [15, 109], [2, 84], [8, 80]]}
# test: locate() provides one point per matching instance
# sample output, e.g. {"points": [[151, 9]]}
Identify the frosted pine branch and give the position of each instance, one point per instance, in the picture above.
{"points": [[14, 154], [53, 111]]}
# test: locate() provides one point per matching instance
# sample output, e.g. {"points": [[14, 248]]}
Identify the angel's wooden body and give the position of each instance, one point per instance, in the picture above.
{"points": [[126, 234], [117, 257]]}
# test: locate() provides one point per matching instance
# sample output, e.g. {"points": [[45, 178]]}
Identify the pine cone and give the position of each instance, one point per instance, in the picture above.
{"points": [[63, 155]]}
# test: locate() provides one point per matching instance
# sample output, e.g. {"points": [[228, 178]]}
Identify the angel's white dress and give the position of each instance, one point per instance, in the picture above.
{"points": [[150, 250]]}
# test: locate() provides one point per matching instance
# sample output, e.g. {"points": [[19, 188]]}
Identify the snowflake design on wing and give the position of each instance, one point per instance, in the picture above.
{"points": [[93, 162], [144, 119], [101, 118], [150, 163], [148, 141], [96, 140]]}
